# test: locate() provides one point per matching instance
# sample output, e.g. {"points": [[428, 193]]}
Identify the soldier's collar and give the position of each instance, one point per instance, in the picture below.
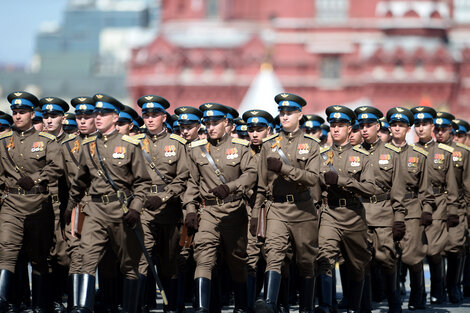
{"points": [[216, 142], [85, 136], [158, 135], [342, 148], [25, 133], [256, 148], [109, 136], [290, 135], [371, 146], [426, 144]]}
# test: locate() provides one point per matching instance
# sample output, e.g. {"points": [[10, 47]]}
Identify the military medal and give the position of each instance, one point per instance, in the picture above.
{"points": [[413, 161], [355, 161], [232, 153], [384, 159], [457, 156], [438, 158], [119, 152], [170, 151], [37, 146], [303, 148]]}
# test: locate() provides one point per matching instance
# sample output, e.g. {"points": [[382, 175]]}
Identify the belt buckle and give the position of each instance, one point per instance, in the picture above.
{"points": [[105, 199], [153, 189], [217, 172], [290, 198], [373, 199], [21, 191], [342, 202], [219, 201], [55, 198]]}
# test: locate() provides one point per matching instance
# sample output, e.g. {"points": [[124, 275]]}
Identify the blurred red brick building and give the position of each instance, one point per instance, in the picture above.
{"points": [[386, 53]]}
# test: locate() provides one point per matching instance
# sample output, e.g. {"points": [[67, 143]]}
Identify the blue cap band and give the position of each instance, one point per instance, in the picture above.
{"points": [[339, 116], [176, 124], [398, 117], [257, 120], [384, 125], [70, 122], [461, 129], [188, 118], [84, 107], [324, 133], [287, 104], [422, 116], [311, 124], [4, 122], [135, 123], [46, 108], [125, 116], [442, 121], [101, 105], [22, 102], [152, 106], [38, 115], [229, 116], [215, 113], [241, 128], [367, 118]]}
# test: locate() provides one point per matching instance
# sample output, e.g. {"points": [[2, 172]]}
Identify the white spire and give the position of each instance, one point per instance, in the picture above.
{"points": [[260, 94]]}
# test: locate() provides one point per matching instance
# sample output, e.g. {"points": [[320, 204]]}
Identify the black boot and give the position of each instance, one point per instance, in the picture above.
{"points": [[251, 291], [142, 304], [325, 300], [460, 281], [6, 284], [58, 279], [283, 296], [130, 295], [240, 293], [453, 277], [355, 295], [366, 299], [272, 283], [417, 300], [86, 294], [180, 294], [343, 271], [203, 294], [307, 285], [393, 297], [437, 282], [40, 293], [73, 291]]}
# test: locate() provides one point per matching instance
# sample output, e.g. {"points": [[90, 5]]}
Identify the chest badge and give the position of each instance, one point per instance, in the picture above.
{"points": [[119, 152], [438, 158], [413, 161], [37, 146], [457, 156], [231, 153], [355, 161], [384, 159], [303, 148], [170, 151]]}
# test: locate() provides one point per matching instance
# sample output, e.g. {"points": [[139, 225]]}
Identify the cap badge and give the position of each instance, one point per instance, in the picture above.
{"points": [[18, 94], [400, 110], [149, 98], [99, 104], [255, 120], [81, 99]]}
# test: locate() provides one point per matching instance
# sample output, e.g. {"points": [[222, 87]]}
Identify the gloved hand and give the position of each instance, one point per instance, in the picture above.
{"points": [[398, 230], [331, 178], [253, 226], [153, 203], [452, 220], [274, 164], [192, 221], [132, 217], [426, 219], [221, 191], [26, 182]]}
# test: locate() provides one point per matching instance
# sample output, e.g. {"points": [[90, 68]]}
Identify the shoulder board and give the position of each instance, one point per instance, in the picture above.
{"points": [[445, 147], [178, 138], [6, 135], [89, 139], [461, 145], [130, 139], [198, 143], [241, 141], [47, 135], [392, 147], [139, 136], [270, 137], [420, 150], [324, 149], [358, 148], [312, 137], [69, 138]]}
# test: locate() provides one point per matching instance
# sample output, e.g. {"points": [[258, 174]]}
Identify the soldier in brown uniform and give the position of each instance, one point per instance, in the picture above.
{"points": [[283, 188], [30, 161], [347, 175], [6, 121], [165, 159], [312, 125], [126, 120], [455, 246], [222, 169], [445, 190], [105, 221], [386, 226]]}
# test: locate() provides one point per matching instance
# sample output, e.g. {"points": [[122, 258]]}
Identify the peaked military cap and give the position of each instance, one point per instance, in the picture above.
{"points": [[461, 126], [213, 111], [152, 103], [290, 101], [37, 115], [231, 113], [53, 105], [83, 105], [128, 114], [257, 118], [5, 119], [443, 119], [22, 100], [340, 114], [174, 121], [384, 125], [69, 123], [422, 113], [107, 103], [188, 115], [367, 114], [312, 121], [400, 114]]}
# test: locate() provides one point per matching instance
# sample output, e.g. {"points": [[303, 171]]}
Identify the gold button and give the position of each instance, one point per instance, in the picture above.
{"points": [[169, 161], [119, 162]]}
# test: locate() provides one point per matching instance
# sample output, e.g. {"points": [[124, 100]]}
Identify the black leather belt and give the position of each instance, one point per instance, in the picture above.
{"points": [[20, 191], [343, 202], [157, 188], [105, 199], [376, 198], [411, 195], [218, 201], [438, 190], [293, 198]]}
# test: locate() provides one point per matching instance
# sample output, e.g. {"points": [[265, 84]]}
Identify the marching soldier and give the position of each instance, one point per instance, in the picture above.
{"points": [[112, 171], [165, 160], [347, 174], [69, 125], [385, 224], [126, 120], [31, 160], [6, 121], [312, 125], [241, 130], [291, 168], [232, 114], [222, 171], [445, 190], [355, 138], [189, 119], [384, 132]]}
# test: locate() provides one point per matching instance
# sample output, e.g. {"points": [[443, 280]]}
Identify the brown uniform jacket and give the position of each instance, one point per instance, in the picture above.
{"points": [[70, 149], [168, 155], [125, 163], [442, 177], [356, 179], [233, 158], [37, 155], [303, 153], [461, 161]]}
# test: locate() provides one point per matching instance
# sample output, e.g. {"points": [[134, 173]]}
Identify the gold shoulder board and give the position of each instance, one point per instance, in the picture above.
{"points": [[420, 150], [198, 143], [178, 138], [358, 148], [461, 145], [89, 139], [69, 138], [47, 135], [445, 147], [241, 141], [139, 136], [312, 137], [392, 147], [6, 135], [324, 149], [130, 139], [270, 137]]}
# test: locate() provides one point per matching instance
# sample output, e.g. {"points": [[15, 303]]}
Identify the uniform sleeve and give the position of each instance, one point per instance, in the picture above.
{"points": [[192, 193], [178, 184], [263, 187], [365, 185], [141, 179], [81, 182], [452, 188], [53, 168], [248, 177], [307, 176], [397, 192], [425, 194], [466, 180]]}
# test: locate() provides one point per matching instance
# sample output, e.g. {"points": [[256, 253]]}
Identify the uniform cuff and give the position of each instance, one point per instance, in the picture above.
{"points": [[399, 217], [191, 208]]}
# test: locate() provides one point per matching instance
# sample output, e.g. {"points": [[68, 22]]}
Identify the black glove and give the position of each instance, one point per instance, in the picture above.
{"points": [[426, 219], [274, 164], [221, 191], [253, 226], [398, 230], [26, 182], [153, 203], [452, 220], [331, 178], [131, 218], [192, 221], [468, 221]]}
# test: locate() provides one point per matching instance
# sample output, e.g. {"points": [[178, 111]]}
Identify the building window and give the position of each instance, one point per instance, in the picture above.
{"points": [[331, 67], [462, 11], [331, 9], [212, 8]]}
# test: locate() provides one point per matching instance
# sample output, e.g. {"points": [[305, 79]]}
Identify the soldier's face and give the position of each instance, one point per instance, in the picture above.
{"points": [[257, 134], [355, 138], [39, 126], [124, 128], [105, 121], [460, 138], [86, 123], [399, 130], [384, 135], [442, 133], [23, 118], [369, 131], [424, 130], [154, 121], [314, 132], [216, 129], [189, 131], [290, 119], [340, 132], [52, 122]]}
